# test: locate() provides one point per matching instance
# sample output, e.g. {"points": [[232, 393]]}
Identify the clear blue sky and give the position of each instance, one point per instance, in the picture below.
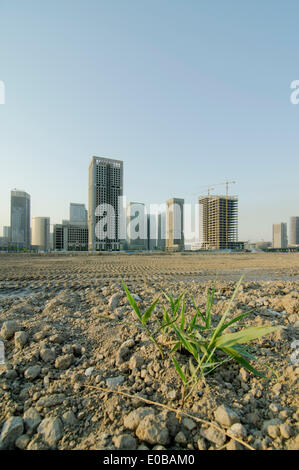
{"points": [[187, 93]]}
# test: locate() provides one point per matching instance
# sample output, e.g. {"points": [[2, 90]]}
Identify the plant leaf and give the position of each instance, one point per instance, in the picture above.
{"points": [[192, 323], [199, 327], [209, 304], [221, 322], [178, 300], [175, 347], [149, 311], [244, 336], [179, 370], [132, 301], [234, 320], [187, 345], [192, 368], [183, 316], [166, 319], [239, 358], [197, 310], [170, 298]]}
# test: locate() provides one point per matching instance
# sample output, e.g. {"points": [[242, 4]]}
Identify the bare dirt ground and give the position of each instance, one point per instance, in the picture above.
{"points": [[72, 341]]}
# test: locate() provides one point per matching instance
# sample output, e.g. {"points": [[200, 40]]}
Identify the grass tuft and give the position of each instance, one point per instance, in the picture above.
{"points": [[203, 343]]}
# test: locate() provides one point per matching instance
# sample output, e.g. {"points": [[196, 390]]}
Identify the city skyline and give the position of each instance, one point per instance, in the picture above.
{"points": [[183, 110], [78, 212], [208, 189]]}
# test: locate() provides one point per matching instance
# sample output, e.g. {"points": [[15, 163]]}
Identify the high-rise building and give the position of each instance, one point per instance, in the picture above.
{"points": [[104, 211], [156, 231], [280, 239], [161, 242], [136, 222], [175, 224], [152, 231], [20, 219], [294, 231], [78, 214], [219, 219], [6, 232], [51, 240], [41, 233]]}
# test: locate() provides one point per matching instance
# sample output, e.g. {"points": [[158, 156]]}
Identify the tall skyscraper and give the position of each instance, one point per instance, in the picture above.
{"points": [[20, 219], [219, 219], [294, 231], [175, 224], [280, 239], [78, 214], [41, 233], [104, 211]]}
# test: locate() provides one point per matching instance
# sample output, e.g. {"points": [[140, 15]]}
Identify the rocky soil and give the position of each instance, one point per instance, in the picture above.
{"points": [[71, 341]]}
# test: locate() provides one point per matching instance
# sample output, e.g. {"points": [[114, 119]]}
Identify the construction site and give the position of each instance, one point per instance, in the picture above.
{"points": [[219, 220]]}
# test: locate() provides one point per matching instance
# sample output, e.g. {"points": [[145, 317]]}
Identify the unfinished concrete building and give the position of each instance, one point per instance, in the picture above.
{"points": [[219, 219]]}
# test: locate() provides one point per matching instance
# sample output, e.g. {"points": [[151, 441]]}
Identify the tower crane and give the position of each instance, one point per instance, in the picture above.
{"points": [[227, 183]]}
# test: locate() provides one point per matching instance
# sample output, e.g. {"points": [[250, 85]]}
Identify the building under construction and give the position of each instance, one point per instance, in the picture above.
{"points": [[219, 219]]}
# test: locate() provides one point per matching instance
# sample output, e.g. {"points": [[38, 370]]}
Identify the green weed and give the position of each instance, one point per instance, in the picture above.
{"points": [[207, 346]]}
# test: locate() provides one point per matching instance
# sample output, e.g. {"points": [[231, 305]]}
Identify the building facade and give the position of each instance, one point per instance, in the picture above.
{"points": [[78, 214], [279, 238], [161, 244], [152, 232], [219, 220], [104, 212], [67, 237], [175, 225], [136, 224], [6, 233], [41, 233], [20, 219], [294, 231]]}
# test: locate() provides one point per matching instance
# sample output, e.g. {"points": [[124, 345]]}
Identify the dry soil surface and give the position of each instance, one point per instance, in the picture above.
{"points": [[73, 344]]}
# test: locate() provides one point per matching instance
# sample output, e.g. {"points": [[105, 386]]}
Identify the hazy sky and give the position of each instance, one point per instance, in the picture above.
{"points": [[187, 93]]}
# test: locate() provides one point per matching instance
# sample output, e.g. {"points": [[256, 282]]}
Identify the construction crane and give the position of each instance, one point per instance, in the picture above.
{"points": [[227, 183], [220, 184]]}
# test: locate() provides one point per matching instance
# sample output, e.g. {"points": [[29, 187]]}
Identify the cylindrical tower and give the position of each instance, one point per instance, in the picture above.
{"points": [[41, 233]]}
